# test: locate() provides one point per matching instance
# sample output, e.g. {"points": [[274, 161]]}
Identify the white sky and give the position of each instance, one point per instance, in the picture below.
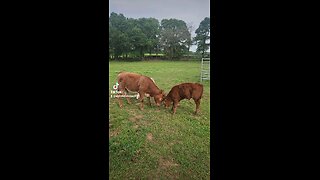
{"points": [[190, 11]]}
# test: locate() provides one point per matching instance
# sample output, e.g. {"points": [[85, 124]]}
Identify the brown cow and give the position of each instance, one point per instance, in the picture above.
{"points": [[141, 84], [184, 91]]}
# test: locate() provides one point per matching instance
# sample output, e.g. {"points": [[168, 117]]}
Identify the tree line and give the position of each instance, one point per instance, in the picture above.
{"points": [[170, 38]]}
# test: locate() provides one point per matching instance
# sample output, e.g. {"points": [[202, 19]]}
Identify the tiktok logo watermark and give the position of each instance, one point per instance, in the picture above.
{"points": [[116, 86], [115, 93]]}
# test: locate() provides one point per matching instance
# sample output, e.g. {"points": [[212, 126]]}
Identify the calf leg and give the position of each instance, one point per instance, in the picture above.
{"points": [[141, 100], [149, 99], [120, 102], [128, 99], [122, 89], [197, 106], [175, 105]]}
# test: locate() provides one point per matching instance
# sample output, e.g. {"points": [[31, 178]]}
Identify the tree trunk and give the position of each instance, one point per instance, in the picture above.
{"points": [[141, 53], [172, 53], [157, 50], [203, 47]]}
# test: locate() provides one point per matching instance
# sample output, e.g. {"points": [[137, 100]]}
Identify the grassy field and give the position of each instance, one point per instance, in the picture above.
{"points": [[154, 144]]}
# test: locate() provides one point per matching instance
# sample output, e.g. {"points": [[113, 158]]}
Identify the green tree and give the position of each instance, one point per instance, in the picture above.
{"points": [[138, 40], [174, 37], [153, 34], [151, 29], [190, 41], [137, 36], [118, 35], [202, 36]]}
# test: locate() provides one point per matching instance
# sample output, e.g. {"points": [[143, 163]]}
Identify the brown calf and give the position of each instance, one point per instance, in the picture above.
{"points": [[141, 84], [147, 95], [184, 91]]}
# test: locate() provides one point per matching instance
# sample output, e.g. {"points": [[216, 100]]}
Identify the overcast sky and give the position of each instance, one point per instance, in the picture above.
{"points": [[190, 11]]}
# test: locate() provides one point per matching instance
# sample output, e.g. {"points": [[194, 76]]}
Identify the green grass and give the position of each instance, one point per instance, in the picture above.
{"points": [[154, 144]]}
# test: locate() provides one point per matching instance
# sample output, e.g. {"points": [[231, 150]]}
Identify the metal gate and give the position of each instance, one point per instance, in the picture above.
{"points": [[205, 69]]}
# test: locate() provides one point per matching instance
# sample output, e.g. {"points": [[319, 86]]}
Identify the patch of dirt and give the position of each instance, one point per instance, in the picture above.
{"points": [[138, 121], [165, 169], [167, 163], [149, 137], [135, 118], [135, 157], [144, 123], [136, 126], [114, 133]]}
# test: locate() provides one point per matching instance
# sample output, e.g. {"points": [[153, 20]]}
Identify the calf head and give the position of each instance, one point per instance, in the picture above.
{"points": [[159, 97], [167, 102]]}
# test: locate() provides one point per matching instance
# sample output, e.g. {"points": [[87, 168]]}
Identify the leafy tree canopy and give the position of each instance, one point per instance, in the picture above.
{"points": [[203, 35]]}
